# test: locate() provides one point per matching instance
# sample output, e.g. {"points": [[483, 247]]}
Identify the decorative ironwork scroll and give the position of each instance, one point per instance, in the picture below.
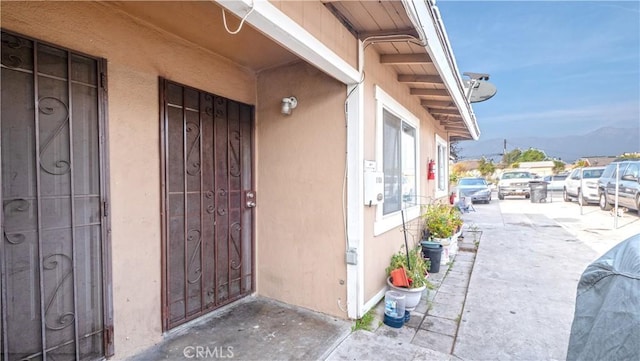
{"points": [[12, 43], [15, 205], [234, 166], [194, 234], [193, 165], [64, 320], [49, 106], [211, 207], [234, 234]]}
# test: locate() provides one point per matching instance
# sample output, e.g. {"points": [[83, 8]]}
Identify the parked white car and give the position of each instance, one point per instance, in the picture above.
{"points": [[555, 182], [582, 184], [515, 183]]}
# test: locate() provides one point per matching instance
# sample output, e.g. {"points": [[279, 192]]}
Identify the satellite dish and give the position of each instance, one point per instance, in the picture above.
{"points": [[479, 90]]}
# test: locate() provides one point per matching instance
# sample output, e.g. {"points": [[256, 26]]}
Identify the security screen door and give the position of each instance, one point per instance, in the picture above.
{"points": [[54, 250], [207, 202]]}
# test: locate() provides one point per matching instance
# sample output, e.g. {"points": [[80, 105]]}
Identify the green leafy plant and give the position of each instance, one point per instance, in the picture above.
{"points": [[441, 220], [364, 323], [416, 268]]}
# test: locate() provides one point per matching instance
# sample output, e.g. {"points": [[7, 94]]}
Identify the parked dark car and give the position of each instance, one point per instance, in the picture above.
{"points": [[628, 181], [476, 189]]}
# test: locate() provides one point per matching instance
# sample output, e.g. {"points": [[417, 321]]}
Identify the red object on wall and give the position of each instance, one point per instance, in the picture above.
{"points": [[431, 170]]}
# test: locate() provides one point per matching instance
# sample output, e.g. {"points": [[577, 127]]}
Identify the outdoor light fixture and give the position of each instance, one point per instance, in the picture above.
{"points": [[288, 104]]}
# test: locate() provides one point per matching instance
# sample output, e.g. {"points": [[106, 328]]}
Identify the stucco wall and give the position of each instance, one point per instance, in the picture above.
{"points": [[322, 24], [300, 169], [378, 249], [136, 56]]}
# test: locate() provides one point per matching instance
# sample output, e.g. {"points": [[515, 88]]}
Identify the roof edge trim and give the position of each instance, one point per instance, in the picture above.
{"points": [[426, 16], [275, 24]]}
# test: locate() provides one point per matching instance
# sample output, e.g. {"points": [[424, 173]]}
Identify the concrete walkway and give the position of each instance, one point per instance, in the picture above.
{"points": [[521, 296], [431, 332], [512, 300]]}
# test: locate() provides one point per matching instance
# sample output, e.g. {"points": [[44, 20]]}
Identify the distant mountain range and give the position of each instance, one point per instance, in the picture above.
{"points": [[607, 141]]}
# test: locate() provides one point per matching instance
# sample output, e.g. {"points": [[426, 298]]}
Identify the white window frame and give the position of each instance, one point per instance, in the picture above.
{"points": [[384, 101], [441, 168]]}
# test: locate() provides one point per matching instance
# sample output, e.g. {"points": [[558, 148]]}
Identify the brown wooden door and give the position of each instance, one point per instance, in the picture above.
{"points": [[207, 202], [54, 250]]}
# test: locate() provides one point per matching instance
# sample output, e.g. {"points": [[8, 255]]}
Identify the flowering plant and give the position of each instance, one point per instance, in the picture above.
{"points": [[441, 220]]}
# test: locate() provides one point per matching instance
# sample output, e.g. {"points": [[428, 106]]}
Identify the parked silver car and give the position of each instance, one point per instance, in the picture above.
{"points": [[515, 183], [628, 182], [476, 189]]}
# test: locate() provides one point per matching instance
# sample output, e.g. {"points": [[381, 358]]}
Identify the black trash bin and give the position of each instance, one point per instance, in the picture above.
{"points": [[538, 190], [432, 251]]}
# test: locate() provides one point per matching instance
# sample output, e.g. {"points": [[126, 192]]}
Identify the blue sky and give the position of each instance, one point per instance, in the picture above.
{"points": [[561, 67]]}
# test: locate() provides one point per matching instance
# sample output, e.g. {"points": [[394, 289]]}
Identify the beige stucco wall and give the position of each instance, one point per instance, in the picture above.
{"points": [[300, 170], [378, 249], [136, 56], [323, 25], [300, 159]]}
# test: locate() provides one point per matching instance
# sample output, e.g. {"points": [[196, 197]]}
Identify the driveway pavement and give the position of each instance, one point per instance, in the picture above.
{"points": [[521, 295]]}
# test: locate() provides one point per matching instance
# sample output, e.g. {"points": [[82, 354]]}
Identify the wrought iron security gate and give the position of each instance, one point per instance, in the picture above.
{"points": [[207, 202], [54, 253]]}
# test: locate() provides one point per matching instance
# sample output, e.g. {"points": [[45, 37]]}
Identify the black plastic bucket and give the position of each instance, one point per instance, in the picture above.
{"points": [[432, 251]]}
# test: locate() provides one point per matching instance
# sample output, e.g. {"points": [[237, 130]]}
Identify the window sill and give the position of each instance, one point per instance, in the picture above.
{"points": [[393, 220]]}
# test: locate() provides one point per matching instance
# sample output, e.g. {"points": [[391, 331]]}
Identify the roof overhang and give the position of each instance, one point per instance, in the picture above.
{"points": [[429, 23], [410, 37], [272, 22]]}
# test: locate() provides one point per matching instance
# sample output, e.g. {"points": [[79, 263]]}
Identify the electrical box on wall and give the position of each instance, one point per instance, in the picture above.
{"points": [[373, 184]]}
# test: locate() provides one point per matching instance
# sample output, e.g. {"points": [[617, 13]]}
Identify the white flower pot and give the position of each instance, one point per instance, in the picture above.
{"points": [[412, 296], [446, 249]]}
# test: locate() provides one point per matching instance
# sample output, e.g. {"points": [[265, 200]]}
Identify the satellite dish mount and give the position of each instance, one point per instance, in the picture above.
{"points": [[478, 88]]}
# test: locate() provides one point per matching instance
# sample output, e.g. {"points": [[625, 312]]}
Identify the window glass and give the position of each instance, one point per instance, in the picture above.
{"points": [[441, 167], [399, 163], [391, 153], [409, 173], [632, 170], [472, 182], [398, 156], [592, 173], [609, 171], [622, 170]]}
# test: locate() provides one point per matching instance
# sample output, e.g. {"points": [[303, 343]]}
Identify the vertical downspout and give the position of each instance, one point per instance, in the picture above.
{"points": [[355, 193]]}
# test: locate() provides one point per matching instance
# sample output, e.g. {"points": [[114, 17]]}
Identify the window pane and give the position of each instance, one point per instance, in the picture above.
{"points": [[441, 167], [409, 190], [391, 162]]}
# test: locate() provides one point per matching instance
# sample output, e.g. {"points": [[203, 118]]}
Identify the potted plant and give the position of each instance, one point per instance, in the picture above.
{"points": [[441, 224], [415, 267], [441, 220]]}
